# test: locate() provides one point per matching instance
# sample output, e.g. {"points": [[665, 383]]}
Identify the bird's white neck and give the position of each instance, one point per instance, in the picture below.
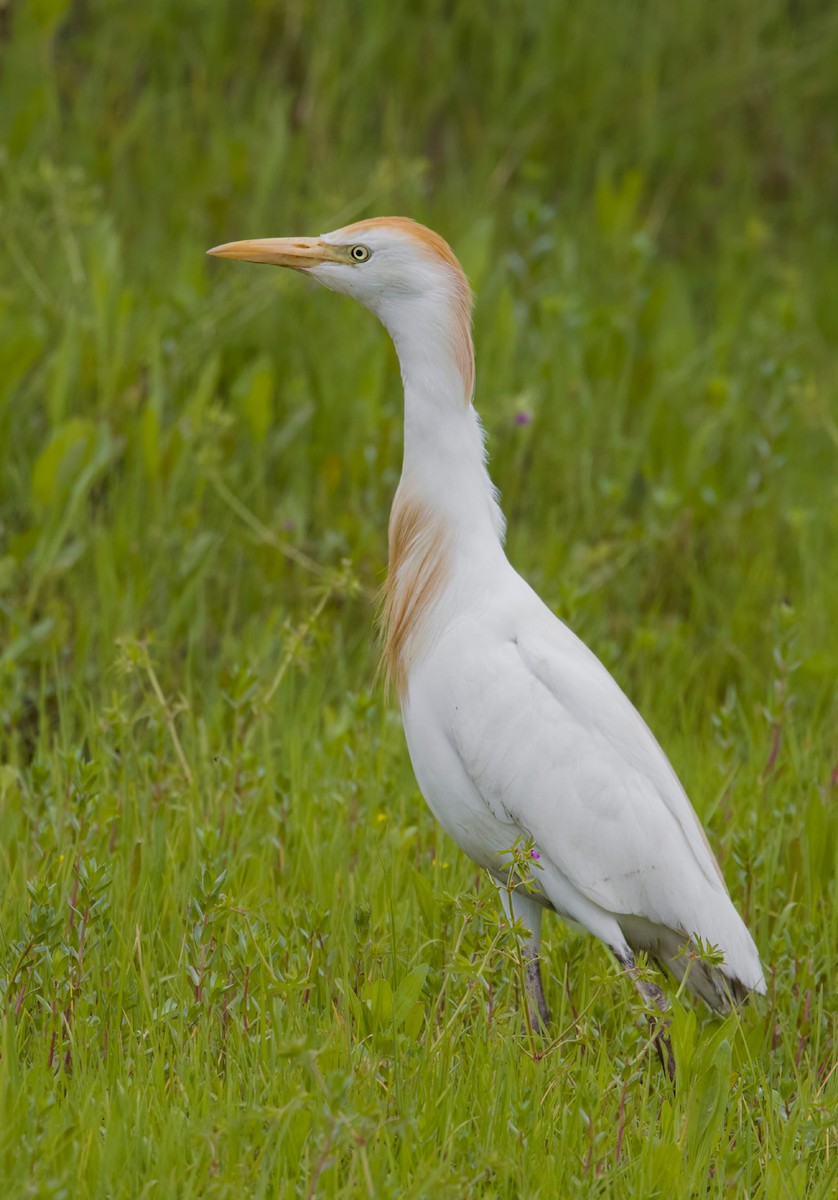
{"points": [[444, 464], [445, 499]]}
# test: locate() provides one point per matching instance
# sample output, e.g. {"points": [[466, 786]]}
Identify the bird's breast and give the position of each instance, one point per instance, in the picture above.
{"points": [[437, 706]]}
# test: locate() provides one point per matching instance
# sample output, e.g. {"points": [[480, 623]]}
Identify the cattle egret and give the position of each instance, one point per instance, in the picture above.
{"points": [[516, 732]]}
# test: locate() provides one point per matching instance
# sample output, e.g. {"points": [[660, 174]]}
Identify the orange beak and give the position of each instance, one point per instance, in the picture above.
{"points": [[298, 253]]}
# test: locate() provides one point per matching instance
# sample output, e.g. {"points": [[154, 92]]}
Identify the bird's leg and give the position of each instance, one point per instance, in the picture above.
{"points": [[539, 1012], [520, 906], [655, 1003]]}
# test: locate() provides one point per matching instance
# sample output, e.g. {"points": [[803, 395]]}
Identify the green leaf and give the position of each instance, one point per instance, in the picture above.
{"points": [[206, 386], [33, 636], [379, 998], [414, 1020], [253, 393], [706, 1109], [425, 898], [616, 202], [408, 993], [355, 1007], [66, 454], [150, 441], [9, 778]]}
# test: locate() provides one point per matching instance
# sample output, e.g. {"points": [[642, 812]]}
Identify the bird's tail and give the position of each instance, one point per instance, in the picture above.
{"points": [[717, 985], [721, 985]]}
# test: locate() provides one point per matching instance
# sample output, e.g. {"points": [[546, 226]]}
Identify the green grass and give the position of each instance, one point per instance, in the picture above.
{"points": [[237, 958]]}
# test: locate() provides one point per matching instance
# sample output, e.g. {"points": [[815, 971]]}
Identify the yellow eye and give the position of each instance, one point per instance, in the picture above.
{"points": [[359, 253]]}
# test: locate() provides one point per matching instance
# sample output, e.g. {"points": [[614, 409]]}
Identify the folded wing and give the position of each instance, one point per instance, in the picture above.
{"points": [[564, 753]]}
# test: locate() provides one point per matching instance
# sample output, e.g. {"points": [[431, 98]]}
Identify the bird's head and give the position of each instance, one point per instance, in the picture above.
{"points": [[403, 272]]}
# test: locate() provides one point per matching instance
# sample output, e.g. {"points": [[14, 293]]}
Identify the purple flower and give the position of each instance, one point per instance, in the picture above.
{"points": [[534, 854], [523, 418]]}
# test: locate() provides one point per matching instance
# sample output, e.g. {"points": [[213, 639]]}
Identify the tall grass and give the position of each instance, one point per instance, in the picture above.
{"points": [[237, 957]]}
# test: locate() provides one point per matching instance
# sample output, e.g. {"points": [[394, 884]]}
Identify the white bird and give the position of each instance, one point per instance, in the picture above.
{"points": [[515, 729]]}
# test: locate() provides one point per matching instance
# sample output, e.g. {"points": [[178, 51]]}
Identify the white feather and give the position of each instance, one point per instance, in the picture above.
{"points": [[538, 739]]}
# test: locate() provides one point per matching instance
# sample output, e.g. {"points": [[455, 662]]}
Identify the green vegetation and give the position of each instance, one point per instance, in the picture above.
{"points": [[237, 957]]}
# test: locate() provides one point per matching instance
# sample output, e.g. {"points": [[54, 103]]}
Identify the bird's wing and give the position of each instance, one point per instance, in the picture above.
{"points": [[554, 742], [604, 707]]}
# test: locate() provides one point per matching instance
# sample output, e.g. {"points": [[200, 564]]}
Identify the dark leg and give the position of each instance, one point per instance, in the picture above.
{"points": [[655, 1003], [519, 906], [539, 1012]]}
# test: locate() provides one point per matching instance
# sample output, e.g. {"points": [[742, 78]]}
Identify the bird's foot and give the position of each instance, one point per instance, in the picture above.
{"points": [[663, 1045], [656, 1004]]}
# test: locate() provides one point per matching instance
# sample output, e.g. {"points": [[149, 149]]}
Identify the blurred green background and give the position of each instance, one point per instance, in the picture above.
{"points": [[197, 463]]}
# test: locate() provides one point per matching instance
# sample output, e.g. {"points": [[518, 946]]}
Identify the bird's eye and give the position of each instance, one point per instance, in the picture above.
{"points": [[359, 253]]}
